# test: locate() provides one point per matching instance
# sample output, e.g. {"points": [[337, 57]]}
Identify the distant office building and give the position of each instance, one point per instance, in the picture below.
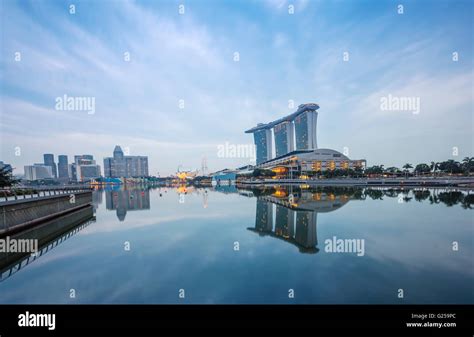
{"points": [[72, 171], [49, 161], [88, 172], [85, 168], [63, 168], [120, 166], [5, 166], [38, 171]]}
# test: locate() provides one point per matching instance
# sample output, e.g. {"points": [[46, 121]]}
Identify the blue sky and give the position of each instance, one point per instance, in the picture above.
{"points": [[283, 57]]}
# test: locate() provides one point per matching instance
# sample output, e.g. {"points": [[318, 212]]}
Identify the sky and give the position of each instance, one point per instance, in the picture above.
{"points": [[176, 85]]}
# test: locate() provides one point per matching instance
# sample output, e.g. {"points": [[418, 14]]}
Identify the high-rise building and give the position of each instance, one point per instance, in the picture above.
{"points": [[85, 168], [120, 166], [264, 145], [72, 171], [63, 167], [284, 138], [305, 129], [299, 128], [38, 171], [49, 161]]}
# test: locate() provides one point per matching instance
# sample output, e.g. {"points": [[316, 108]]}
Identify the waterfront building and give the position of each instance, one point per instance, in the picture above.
{"points": [[305, 130], [295, 131], [85, 168], [264, 145], [38, 171], [296, 146], [224, 177], [120, 166], [308, 162], [63, 168], [284, 138], [49, 161]]}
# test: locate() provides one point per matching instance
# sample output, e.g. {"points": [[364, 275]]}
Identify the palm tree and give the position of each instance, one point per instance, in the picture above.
{"points": [[468, 164], [434, 167], [407, 167], [453, 164]]}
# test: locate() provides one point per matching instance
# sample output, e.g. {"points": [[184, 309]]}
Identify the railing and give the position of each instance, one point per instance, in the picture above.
{"points": [[4, 274], [36, 192]]}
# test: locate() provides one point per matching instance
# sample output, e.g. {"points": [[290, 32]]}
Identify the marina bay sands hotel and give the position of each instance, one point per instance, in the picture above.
{"points": [[290, 144]]}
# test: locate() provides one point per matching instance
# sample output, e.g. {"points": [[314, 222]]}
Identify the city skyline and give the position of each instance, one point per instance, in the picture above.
{"points": [[171, 86]]}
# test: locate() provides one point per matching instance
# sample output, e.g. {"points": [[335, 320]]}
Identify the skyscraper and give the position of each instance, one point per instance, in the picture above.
{"points": [[85, 167], [300, 125], [284, 138], [305, 129], [38, 171], [264, 145], [120, 166], [49, 161], [63, 167]]}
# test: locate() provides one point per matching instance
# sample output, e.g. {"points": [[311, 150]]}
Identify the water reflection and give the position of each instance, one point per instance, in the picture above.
{"points": [[123, 200], [277, 228], [291, 214], [49, 236]]}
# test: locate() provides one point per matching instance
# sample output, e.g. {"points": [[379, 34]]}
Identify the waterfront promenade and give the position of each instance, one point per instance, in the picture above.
{"points": [[22, 211], [467, 182]]}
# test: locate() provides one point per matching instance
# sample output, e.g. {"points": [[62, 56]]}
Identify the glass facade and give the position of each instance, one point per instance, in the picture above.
{"points": [[120, 166], [301, 129], [260, 138], [49, 161], [281, 139], [63, 168]]}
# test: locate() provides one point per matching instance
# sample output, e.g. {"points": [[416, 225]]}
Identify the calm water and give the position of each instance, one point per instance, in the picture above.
{"points": [[231, 246]]}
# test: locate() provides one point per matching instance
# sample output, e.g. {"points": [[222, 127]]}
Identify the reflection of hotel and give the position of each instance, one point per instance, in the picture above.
{"points": [[127, 200], [292, 217], [290, 144]]}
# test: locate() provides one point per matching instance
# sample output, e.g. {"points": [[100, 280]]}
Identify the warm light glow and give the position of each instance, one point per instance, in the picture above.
{"points": [[317, 165], [331, 165], [317, 196], [280, 170], [280, 193]]}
